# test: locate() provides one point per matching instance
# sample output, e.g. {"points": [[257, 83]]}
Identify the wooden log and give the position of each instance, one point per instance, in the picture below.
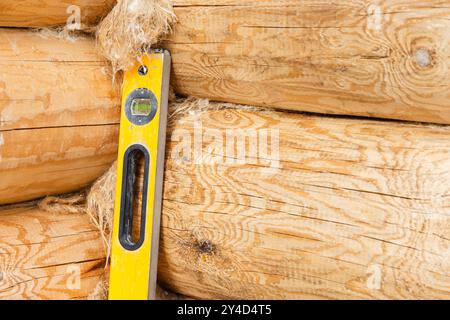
{"points": [[48, 256], [44, 161], [58, 115], [52, 256], [48, 13], [353, 209], [51, 82], [387, 59]]}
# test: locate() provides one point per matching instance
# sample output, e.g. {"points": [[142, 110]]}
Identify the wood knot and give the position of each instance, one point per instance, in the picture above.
{"points": [[228, 116], [423, 57], [205, 246], [423, 52]]}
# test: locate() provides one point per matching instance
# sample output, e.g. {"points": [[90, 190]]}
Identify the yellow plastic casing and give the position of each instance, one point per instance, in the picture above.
{"points": [[133, 272]]}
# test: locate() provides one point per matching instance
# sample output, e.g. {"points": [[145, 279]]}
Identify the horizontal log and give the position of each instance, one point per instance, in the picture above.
{"points": [[48, 256], [388, 59], [57, 256], [48, 13], [345, 57], [39, 162], [51, 82], [58, 115], [346, 209]]}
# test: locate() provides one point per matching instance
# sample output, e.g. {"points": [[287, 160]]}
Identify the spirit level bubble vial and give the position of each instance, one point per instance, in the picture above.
{"points": [[142, 139]]}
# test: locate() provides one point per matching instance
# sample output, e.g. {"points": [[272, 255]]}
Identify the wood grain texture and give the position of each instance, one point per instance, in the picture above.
{"points": [[42, 254], [354, 210], [57, 256], [50, 82], [47, 13], [317, 56], [39, 162], [58, 115], [350, 202]]}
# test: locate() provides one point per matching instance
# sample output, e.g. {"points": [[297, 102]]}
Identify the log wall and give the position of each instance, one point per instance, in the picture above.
{"points": [[49, 82], [346, 209]]}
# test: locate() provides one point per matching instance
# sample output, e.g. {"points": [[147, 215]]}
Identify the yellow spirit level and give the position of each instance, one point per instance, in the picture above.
{"points": [[142, 138]]}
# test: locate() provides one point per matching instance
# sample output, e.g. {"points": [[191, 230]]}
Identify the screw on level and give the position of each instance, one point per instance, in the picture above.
{"points": [[143, 70]]}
